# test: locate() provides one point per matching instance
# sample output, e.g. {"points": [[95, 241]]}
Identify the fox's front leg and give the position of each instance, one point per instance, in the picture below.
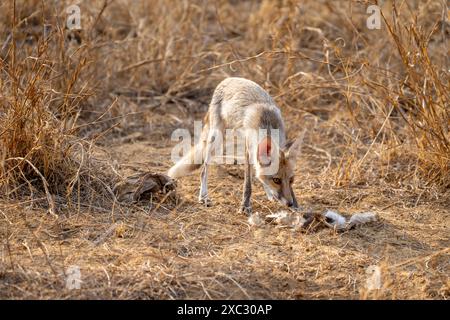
{"points": [[247, 193]]}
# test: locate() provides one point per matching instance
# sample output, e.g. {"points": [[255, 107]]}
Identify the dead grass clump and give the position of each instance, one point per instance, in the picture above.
{"points": [[424, 98], [41, 97], [144, 186]]}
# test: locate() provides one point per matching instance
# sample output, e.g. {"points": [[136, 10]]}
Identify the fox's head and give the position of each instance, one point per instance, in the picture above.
{"points": [[277, 181]]}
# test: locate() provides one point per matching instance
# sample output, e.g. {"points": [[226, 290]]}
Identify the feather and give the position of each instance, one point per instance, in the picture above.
{"points": [[255, 219], [287, 219], [361, 218], [335, 219]]}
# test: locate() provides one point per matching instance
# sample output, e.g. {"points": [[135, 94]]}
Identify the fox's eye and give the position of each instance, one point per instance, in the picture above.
{"points": [[277, 180], [291, 181]]}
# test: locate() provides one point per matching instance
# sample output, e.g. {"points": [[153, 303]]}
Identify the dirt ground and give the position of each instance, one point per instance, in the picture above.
{"points": [[187, 251]]}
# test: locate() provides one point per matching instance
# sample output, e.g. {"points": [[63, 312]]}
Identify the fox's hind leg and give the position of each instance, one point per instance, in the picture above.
{"points": [[203, 195], [213, 142]]}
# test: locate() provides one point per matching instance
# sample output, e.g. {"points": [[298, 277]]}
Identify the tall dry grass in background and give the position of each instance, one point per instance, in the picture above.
{"points": [[43, 91], [376, 101]]}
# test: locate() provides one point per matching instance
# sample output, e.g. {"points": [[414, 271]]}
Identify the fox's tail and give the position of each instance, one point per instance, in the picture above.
{"points": [[190, 162], [186, 165]]}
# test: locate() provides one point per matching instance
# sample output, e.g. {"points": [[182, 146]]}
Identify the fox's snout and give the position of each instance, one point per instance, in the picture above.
{"points": [[285, 197], [278, 189], [288, 203]]}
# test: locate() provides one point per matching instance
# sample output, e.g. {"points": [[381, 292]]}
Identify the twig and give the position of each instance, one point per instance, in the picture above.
{"points": [[50, 201]]}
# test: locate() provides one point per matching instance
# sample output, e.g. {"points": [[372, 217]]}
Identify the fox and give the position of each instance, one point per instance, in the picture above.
{"points": [[241, 104]]}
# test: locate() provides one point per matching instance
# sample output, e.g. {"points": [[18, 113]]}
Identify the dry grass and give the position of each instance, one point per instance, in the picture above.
{"points": [[80, 109]]}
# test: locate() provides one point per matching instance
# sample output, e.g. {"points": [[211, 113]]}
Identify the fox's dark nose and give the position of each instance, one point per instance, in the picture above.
{"points": [[290, 204]]}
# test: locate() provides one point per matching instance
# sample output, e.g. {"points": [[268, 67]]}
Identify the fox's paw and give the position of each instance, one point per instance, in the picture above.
{"points": [[205, 201], [247, 210]]}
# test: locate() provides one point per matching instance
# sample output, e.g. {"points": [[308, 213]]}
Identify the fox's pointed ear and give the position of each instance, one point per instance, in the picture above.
{"points": [[294, 147], [265, 152]]}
